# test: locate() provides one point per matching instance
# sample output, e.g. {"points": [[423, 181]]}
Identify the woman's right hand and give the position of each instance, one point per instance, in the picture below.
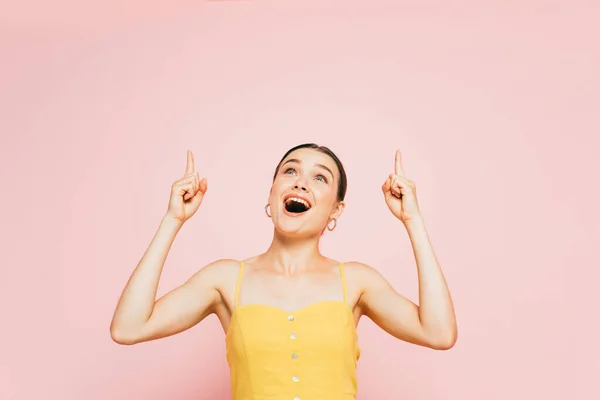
{"points": [[187, 193]]}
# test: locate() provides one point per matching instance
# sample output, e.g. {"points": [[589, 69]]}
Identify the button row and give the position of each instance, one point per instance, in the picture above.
{"points": [[294, 355]]}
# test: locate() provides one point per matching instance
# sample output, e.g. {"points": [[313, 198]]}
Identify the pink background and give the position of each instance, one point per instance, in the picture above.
{"points": [[495, 109]]}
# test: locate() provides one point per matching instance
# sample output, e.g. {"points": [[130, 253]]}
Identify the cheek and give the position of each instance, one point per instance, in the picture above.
{"points": [[325, 196], [324, 190], [276, 191]]}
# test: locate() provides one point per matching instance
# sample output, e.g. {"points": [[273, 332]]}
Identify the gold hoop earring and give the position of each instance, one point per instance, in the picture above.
{"points": [[334, 224], [268, 206]]}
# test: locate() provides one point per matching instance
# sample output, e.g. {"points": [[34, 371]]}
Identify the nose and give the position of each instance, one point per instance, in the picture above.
{"points": [[301, 184]]}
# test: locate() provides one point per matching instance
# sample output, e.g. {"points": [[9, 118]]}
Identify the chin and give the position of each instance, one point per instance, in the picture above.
{"points": [[295, 226], [291, 229]]}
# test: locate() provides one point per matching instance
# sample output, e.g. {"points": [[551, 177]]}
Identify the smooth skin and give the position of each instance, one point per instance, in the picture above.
{"points": [[292, 273]]}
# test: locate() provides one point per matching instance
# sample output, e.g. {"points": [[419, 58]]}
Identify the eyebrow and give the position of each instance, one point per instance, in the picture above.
{"points": [[295, 160]]}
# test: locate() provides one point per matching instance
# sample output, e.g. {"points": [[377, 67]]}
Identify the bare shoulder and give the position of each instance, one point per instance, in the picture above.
{"points": [[362, 278], [214, 276], [219, 271], [224, 264], [361, 272]]}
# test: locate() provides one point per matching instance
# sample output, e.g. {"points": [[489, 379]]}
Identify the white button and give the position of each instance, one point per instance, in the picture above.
{"points": [[296, 398], [293, 336], [295, 379], [291, 318], [294, 356]]}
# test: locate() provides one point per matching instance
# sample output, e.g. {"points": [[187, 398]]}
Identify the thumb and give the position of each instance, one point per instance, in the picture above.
{"points": [[203, 185], [386, 185]]}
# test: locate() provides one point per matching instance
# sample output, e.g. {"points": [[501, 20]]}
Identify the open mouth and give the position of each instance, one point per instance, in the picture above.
{"points": [[296, 205]]}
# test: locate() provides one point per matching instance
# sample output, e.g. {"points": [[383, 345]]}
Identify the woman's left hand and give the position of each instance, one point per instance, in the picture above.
{"points": [[400, 193]]}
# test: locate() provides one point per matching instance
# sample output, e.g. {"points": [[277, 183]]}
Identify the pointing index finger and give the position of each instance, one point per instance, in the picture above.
{"points": [[189, 168], [398, 170]]}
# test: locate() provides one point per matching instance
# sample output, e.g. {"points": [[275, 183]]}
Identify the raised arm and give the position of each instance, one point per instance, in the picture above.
{"points": [[431, 323], [138, 316]]}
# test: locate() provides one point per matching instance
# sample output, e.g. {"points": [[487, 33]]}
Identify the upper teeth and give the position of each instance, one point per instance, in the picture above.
{"points": [[299, 200]]}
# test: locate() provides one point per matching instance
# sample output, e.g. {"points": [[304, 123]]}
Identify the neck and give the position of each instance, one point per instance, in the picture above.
{"points": [[292, 255]]}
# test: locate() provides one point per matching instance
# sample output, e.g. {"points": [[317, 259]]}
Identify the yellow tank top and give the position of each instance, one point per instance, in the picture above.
{"points": [[307, 354]]}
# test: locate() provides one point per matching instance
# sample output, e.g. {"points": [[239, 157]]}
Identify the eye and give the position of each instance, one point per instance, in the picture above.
{"points": [[321, 178], [288, 170]]}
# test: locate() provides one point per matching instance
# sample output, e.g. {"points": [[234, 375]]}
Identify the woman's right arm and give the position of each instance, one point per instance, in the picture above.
{"points": [[139, 317]]}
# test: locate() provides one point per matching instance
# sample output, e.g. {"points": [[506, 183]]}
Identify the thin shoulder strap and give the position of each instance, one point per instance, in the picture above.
{"points": [[343, 276], [238, 285]]}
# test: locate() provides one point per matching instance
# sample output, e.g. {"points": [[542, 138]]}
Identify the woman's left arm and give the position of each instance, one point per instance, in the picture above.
{"points": [[432, 323]]}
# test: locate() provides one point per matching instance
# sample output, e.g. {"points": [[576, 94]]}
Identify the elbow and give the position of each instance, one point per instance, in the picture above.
{"points": [[443, 345], [122, 337], [445, 342]]}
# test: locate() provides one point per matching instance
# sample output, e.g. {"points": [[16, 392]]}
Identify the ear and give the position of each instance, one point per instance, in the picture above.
{"points": [[338, 210]]}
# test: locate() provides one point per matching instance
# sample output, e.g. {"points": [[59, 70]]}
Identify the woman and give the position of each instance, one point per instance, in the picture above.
{"points": [[290, 314]]}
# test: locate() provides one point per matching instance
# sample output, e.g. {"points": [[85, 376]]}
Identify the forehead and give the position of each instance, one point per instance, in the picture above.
{"points": [[310, 157]]}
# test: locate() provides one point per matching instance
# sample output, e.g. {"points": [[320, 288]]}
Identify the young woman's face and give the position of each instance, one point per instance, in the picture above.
{"points": [[303, 197]]}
